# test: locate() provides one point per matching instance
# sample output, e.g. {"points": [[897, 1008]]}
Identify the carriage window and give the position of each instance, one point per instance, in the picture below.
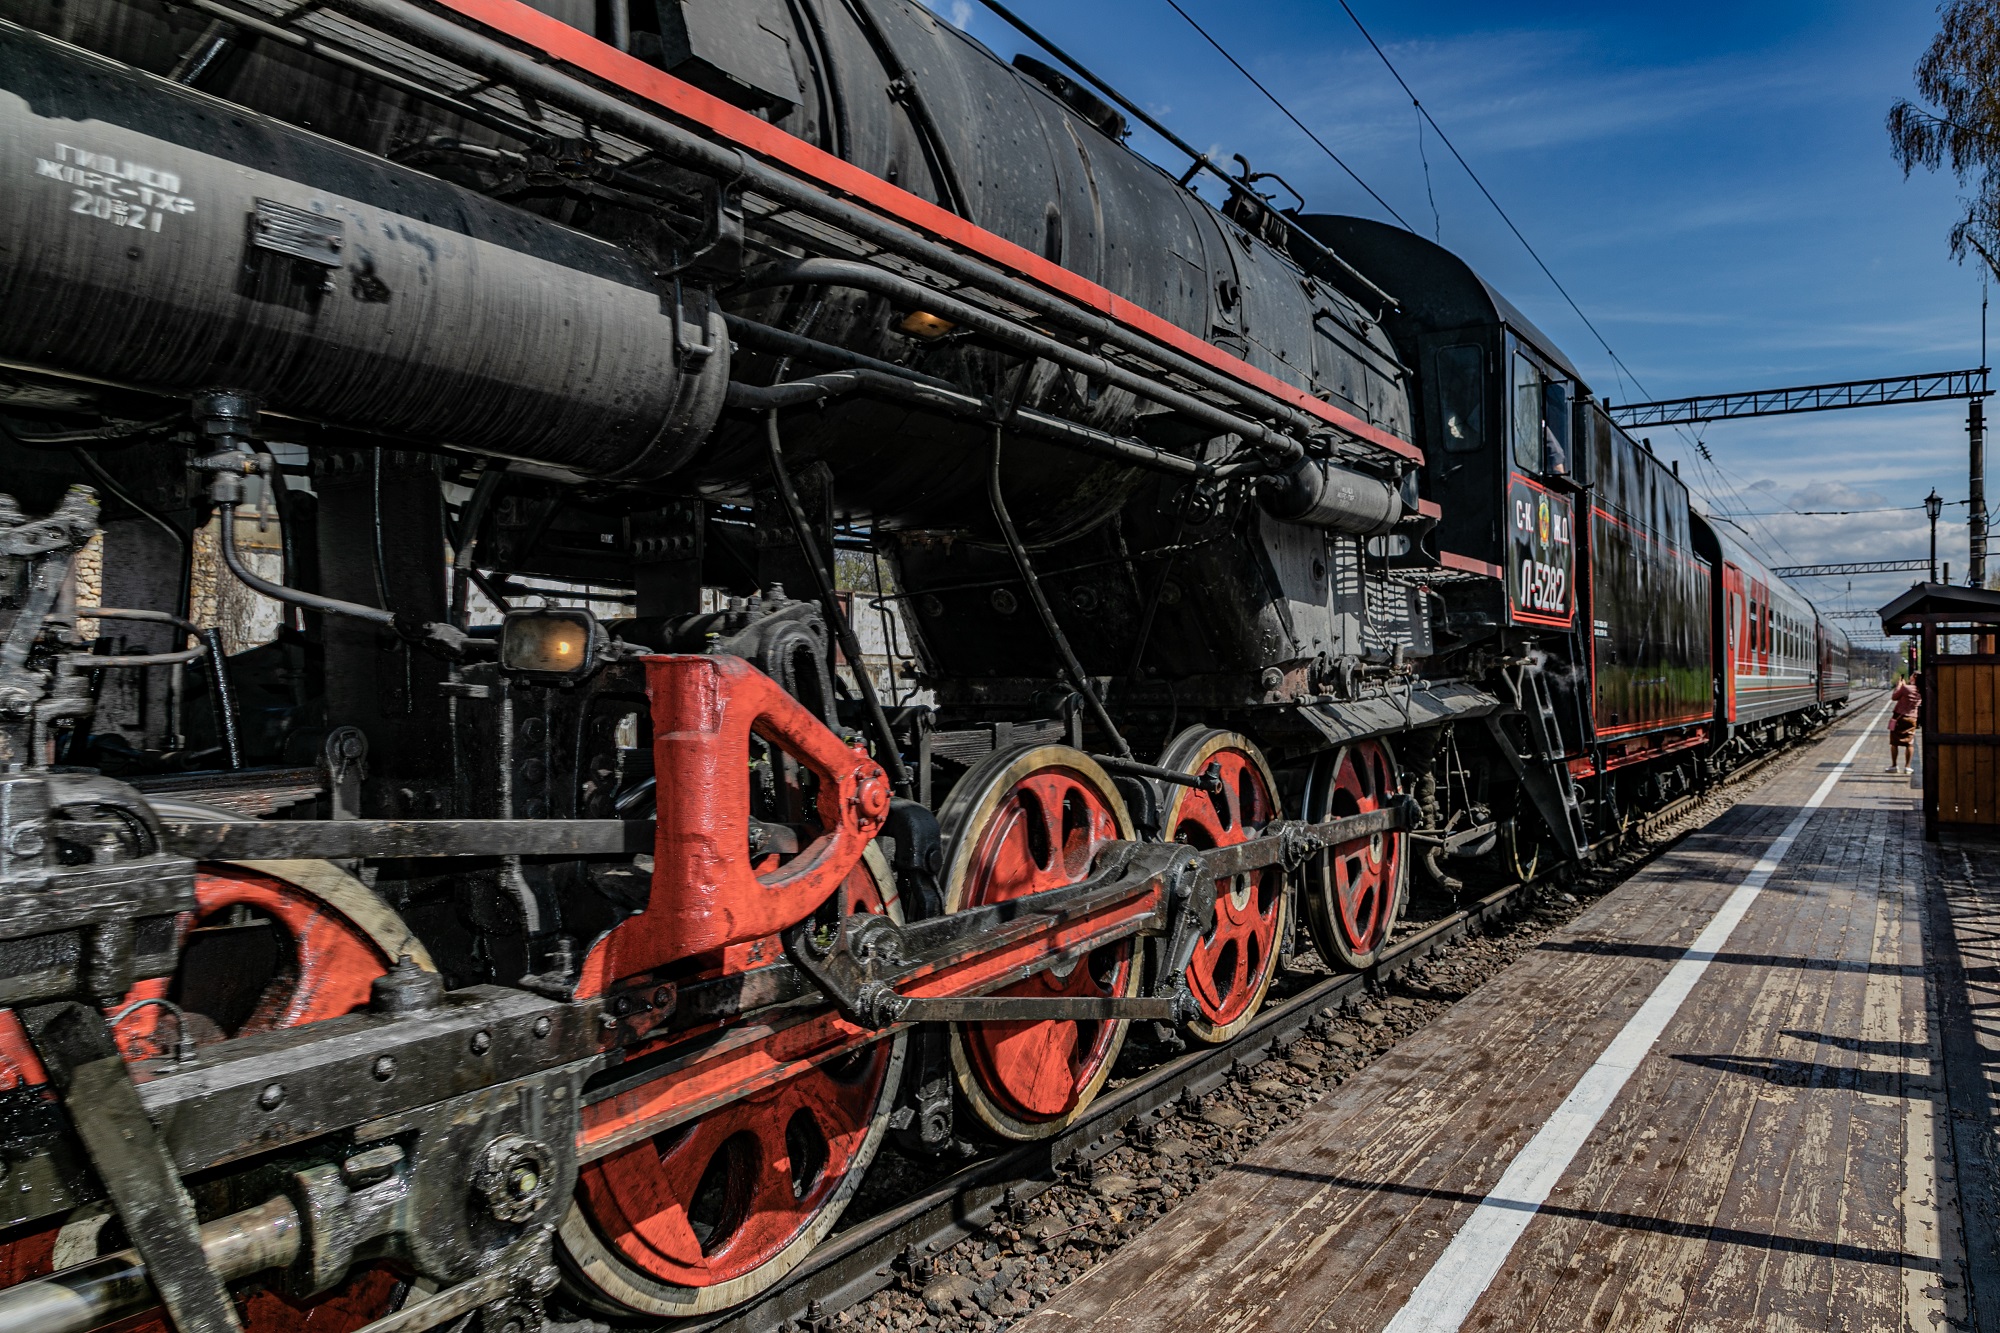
{"points": [[1527, 415], [1462, 397]]}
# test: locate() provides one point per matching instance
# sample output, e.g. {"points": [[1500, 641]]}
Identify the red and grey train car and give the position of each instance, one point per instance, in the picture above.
{"points": [[1783, 666]]}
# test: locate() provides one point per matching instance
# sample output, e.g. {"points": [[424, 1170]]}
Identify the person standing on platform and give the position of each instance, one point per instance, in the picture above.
{"points": [[1904, 701]]}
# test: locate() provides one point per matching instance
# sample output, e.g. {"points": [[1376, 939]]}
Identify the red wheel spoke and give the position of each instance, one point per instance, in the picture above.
{"points": [[733, 1200], [1233, 963], [1023, 823], [1356, 887]]}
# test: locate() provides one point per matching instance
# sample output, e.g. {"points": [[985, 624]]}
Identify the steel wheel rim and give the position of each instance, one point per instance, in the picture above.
{"points": [[1354, 892], [1028, 1080], [1250, 909], [656, 1197]]}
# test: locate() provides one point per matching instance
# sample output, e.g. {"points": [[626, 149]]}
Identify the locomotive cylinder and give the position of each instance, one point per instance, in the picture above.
{"points": [[1326, 495], [159, 239]]}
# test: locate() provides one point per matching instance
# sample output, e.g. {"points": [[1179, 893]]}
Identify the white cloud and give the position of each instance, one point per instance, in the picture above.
{"points": [[961, 14]]}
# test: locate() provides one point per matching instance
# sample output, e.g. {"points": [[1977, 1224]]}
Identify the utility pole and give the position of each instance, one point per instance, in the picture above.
{"points": [[1975, 427], [1975, 430]]}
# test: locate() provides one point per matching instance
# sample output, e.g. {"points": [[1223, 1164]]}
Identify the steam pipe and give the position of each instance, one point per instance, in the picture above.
{"points": [[818, 388], [93, 662], [1071, 664], [766, 338], [278, 592], [892, 759], [446, 638], [866, 277]]}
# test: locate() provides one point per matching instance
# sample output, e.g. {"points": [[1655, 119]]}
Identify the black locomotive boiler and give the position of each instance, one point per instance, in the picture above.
{"points": [[457, 948]]}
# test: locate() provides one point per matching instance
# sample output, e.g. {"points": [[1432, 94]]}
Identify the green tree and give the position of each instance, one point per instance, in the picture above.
{"points": [[1955, 124]]}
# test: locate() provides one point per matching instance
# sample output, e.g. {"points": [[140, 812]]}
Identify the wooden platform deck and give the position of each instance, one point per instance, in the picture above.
{"points": [[1737, 1093]]}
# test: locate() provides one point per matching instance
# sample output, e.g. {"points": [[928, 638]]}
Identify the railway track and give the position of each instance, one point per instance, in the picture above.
{"points": [[856, 1263]]}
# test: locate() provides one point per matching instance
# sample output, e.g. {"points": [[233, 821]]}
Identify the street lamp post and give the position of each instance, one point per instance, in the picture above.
{"points": [[1933, 505]]}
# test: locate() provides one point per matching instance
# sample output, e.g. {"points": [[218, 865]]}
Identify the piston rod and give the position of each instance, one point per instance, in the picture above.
{"points": [[89, 1295]]}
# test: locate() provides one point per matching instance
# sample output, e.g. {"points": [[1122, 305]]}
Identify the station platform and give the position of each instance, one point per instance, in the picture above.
{"points": [[1751, 1088]]}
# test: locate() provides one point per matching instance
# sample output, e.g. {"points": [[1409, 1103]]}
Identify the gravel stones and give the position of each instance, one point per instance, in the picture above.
{"points": [[1114, 1186], [1223, 1116], [942, 1293]]}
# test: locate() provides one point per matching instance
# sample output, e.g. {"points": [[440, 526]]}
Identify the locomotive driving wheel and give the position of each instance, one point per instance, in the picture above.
{"points": [[1233, 964], [1022, 822], [709, 1213], [1354, 892], [270, 945]]}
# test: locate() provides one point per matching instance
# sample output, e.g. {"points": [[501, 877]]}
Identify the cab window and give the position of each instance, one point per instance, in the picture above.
{"points": [[1462, 397], [1527, 415], [1542, 418], [1555, 427]]}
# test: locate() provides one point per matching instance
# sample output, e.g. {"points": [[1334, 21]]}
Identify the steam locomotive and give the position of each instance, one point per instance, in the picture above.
{"points": [[447, 955]]}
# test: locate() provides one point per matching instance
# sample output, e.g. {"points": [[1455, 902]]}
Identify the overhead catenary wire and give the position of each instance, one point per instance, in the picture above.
{"points": [[1202, 161], [1286, 111], [1445, 139], [1617, 362], [1839, 513], [1425, 117]]}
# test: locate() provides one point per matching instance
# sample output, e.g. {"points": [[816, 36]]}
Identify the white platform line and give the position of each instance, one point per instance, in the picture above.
{"points": [[1475, 1255]]}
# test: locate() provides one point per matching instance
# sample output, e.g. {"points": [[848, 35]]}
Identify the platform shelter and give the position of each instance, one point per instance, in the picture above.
{"points": [[1961, 702]]}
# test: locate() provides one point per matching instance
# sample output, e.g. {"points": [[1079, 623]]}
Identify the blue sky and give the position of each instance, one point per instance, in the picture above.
{"points": [[1710, 181]]}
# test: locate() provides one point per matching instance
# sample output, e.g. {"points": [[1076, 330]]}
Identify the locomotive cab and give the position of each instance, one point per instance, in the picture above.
{"points": [[1570, 540], [1499, 419]]}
